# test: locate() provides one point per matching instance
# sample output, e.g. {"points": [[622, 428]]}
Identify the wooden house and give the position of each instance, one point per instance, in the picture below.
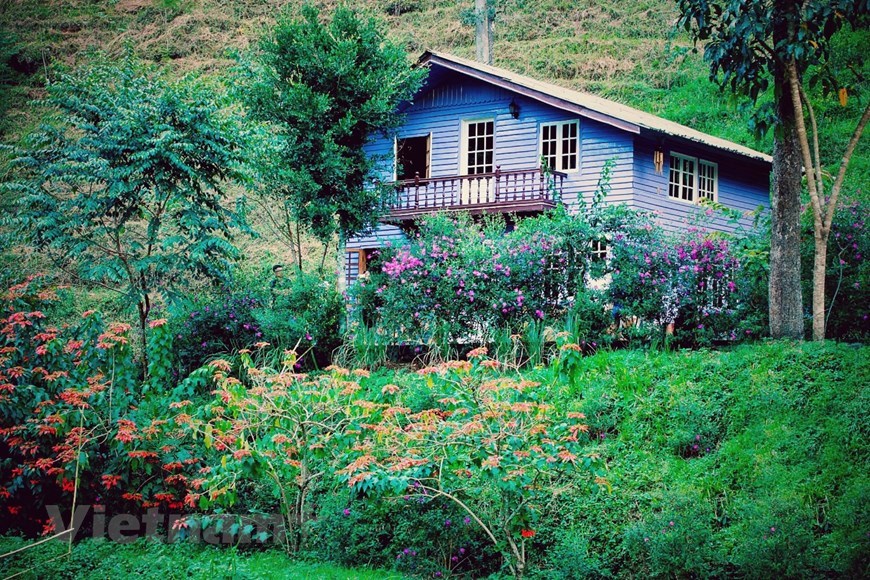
{"points": [[481, 139]]}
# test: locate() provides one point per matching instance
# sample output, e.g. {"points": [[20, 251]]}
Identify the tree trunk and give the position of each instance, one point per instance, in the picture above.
{"points": [[483, 32], [144, 309], [784, 290], [820, 262]]}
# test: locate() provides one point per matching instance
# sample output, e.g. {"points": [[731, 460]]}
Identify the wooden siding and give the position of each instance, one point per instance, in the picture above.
{"points": [[743, 185], [441, 111]]}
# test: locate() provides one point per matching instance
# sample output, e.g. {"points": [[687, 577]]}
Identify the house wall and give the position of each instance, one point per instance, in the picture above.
{"points": [[743, 186], [441, 112]]}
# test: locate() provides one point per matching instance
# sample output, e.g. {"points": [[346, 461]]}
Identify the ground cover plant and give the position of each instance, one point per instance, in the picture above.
{"points": [[744, 462]]}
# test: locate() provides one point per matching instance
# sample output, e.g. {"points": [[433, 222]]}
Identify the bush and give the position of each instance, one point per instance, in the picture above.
{"points": [[847, 282], [306, 316], [695, 280], [205, 328], [76, 418]]}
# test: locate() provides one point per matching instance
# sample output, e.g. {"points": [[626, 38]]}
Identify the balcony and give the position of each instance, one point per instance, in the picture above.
{"points": [[525, 191]]}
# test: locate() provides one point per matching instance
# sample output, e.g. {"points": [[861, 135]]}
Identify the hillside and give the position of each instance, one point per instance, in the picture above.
{"points": [[627, 51]]}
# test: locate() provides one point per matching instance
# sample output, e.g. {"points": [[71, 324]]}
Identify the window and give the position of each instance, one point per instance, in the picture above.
{"points": [[559, 145], [479, 147], [599, 250], [692, 179], [707, 180], [412, 157]]}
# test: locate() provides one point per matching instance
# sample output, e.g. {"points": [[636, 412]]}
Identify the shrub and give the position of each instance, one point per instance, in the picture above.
{"points": [[307, 316], [847, 282], [457, 279], [205, 328], [695, 281], [76, 418]]}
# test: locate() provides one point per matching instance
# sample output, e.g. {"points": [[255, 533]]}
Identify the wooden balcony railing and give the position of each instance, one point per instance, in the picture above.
{"points": [[523, 191]]}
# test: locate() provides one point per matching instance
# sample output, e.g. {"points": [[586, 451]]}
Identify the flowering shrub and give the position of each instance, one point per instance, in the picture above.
{"points": [[203, 329], [77, 421], [477, 434], [279, 428], [489, 445], [456, 280], [694, 280]]}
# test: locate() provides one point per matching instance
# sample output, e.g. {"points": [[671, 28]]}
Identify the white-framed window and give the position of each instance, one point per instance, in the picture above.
{"points": [[560, 145], [478, 146], [598, 250], [708, 180], [692, 179]]}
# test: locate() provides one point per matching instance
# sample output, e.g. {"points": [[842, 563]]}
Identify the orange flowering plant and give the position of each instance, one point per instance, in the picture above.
{"points": [[271, 424], [491, 444], [76, 425]]}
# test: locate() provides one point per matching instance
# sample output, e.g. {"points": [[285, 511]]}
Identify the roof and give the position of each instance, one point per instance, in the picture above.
{"points": [[584, 104]]}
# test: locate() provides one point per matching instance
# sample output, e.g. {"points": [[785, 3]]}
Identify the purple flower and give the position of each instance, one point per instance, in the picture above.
{"points": [[446, 523], [466, 521], [346, 512], [307, 336]]}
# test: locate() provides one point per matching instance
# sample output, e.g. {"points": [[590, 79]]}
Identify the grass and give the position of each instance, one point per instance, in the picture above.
{"points": [[628, 51], [150, 558]]}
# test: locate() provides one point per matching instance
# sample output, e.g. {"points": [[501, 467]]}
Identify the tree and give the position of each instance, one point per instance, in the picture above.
{"points": [[124, 187], [823, 207], [324, 88], [750, 44], [743, 49]]}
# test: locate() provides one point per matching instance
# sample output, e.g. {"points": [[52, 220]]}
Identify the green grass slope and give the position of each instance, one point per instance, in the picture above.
{"points": [[628, 51], [749, 463]]}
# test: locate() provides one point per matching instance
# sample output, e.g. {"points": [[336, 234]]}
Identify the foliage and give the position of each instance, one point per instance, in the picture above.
{"points": [[203, 329], [748, 43], [491, 445], [848, 272], [324, 88], [76, 422], [95, 559], [695, 281], [457, 279], [126, 184], [306, 315]]}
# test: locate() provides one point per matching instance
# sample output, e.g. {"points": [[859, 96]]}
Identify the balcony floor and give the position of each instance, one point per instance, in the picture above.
{"points": [[519, 207]]}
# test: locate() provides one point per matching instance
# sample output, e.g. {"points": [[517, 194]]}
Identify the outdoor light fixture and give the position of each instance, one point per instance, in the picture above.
{"points": [[659, 160], [514, 108]]}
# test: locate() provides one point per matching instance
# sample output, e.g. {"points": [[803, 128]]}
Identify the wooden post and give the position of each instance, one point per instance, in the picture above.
{"points": [[482, 32]]}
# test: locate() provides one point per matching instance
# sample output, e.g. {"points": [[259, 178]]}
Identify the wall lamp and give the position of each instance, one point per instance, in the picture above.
{"points": [[514, 108]]}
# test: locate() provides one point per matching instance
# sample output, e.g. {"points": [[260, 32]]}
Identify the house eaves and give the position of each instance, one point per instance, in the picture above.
{"points": [[584, 104]]}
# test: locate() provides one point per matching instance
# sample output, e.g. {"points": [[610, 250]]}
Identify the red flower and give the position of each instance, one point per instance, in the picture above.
{"points": [[527, 533]]}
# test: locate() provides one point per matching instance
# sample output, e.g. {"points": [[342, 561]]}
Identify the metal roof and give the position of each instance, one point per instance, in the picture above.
{"points": [[584, 104]]}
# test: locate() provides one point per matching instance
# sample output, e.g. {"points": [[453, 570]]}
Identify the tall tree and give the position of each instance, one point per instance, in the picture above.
{"points": [[748, 45], [745, 49], [823, 206], [323, 88], [123, 186]]}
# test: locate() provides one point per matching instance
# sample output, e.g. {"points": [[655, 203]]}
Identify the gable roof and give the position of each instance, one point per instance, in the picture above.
{"points": [[584, 104]]}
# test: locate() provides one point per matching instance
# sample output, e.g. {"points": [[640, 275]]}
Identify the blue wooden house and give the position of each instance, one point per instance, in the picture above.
{"points": [[482, 139]]}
